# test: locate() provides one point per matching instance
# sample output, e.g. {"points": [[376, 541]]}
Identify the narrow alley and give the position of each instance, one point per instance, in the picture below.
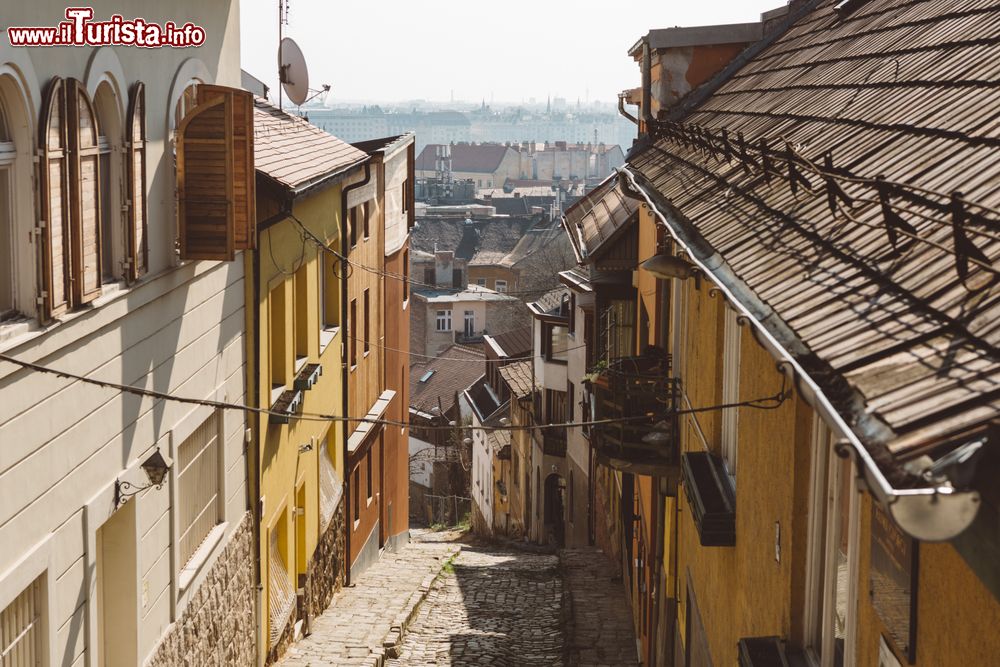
{"points": [[448, 600]]}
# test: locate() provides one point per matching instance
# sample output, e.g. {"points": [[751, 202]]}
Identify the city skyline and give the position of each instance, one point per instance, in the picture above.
{"points": [[520, 54]]}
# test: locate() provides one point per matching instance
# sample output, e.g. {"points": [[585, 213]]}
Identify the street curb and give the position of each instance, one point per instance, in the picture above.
{"points": [[402, 621]]}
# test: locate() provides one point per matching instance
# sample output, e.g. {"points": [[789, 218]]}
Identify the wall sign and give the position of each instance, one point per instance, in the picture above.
{"points": [[893, 581]]}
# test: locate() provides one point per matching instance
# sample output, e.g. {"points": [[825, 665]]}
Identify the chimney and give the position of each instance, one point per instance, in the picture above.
{"points": [[443, 264], [675, 61]]}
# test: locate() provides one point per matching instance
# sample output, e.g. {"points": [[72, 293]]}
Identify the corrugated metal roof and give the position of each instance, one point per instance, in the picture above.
{"points": [[295, 153], [598, 217], [904, 90]]}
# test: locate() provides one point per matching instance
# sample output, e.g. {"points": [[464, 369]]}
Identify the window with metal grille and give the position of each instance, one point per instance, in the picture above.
{"points": [[198, 486], [329, 487], [281, 593], [21, 628]]}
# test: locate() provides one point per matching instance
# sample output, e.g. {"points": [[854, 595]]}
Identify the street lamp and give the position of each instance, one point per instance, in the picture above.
{"points": [[156, 467]]}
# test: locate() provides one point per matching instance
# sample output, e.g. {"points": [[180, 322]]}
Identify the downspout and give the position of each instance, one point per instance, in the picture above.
{"points": [[253, 461], [621, 109], [344, 361], [647, 93], [932, 514]]}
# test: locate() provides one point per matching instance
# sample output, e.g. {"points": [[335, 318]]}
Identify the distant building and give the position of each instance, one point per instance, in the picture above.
{"points": [[488, 165]]}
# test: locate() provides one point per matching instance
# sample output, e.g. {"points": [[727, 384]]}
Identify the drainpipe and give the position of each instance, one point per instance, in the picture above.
{"points": [[345, 360], [621, 109], [253, 460], [647, 85]]}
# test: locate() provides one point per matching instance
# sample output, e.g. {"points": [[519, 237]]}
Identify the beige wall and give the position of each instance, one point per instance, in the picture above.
{"points": [[178, 330]]}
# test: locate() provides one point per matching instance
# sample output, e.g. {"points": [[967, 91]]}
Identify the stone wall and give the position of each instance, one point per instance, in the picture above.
{"points": [[326, 570], [218, 625]]}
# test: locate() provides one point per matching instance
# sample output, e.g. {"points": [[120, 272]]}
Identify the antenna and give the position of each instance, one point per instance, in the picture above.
{"points": [[292, 70]]}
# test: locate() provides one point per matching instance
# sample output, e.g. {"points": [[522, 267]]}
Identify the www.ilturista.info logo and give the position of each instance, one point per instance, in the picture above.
{"points": [[79, 30]]}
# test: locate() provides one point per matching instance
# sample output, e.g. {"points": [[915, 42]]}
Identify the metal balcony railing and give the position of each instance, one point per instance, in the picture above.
{"points": [[641, 395]]}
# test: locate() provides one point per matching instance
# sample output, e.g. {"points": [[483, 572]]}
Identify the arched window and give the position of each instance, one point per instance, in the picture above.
{"points": [[8, 277], [136, 161], [187, 101], [54, 182], [109, 124], [85, 182]]}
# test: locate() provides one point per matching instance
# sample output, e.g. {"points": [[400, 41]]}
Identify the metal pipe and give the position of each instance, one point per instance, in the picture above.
{"points": [[621, 109], [647, 92], [930, 513], [346, 339], [253, 456]]}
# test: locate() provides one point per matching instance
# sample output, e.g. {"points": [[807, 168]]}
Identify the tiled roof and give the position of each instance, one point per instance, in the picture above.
{"points": [[452, 372], [900, 90], [498, 439], [518, 377], [598, 217], [293, 152], [477, 158]]}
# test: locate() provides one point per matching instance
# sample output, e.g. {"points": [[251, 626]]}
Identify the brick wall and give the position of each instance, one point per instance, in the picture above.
{"points": [[218, 626]]}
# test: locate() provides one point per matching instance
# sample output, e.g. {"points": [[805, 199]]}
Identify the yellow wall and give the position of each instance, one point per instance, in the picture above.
{"points": [[283, 470], [743, 591]]}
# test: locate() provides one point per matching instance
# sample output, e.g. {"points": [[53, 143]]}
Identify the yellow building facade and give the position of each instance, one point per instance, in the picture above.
{"points": [[294, 364]]}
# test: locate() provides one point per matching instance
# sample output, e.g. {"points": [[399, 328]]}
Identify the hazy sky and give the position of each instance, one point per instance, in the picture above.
{"points": [[509, 51]]}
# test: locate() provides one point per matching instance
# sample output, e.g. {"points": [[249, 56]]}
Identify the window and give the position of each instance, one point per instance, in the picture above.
{"points": [[198, 486], [554, 342], [572, 314], [405, 198], [367, 306], [481, 282], [366, 213], [8, 155], [357, 494], [21, 639], [555, 406], [406, 273], [470, 323], [109, 148], [516, 475], [278, 340], [281, 592], [444, 320], [456, 278], [329, 485], [352, 218], [368, 474], [501, 286], [300, 284], [730, 389], [329, 299], [430, 278], [138, 260], [353, 332]]}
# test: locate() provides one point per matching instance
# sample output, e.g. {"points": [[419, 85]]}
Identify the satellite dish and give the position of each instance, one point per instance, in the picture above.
{"points": [[292, 71]]}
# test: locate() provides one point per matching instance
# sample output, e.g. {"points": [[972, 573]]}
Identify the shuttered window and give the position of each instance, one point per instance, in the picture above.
{"points": [[198, 486], [329, 487], [85, 192], [215, 175], [136, 169], [21, 628], [53, 175]]}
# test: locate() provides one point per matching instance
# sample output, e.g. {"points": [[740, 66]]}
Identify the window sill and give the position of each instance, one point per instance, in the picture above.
{"points": [[276, 390], [326, 337], [364, 355], [201, 556], [354, 367], [300, 363]]}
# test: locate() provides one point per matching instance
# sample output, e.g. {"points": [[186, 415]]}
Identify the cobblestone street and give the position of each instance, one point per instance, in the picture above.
{"points": [[440, 602]]}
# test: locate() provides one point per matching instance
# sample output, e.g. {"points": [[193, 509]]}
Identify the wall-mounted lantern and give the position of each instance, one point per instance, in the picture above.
{"points": [[156, 467]]}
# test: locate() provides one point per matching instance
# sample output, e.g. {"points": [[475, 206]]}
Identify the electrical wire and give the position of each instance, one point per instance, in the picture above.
{"points": [[765, 403]]}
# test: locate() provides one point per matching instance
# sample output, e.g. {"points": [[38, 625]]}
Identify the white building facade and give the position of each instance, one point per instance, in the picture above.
{"points": [[91, 574]]}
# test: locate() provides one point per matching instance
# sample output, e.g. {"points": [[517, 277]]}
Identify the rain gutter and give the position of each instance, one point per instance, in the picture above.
{"points": [[935, 513]]}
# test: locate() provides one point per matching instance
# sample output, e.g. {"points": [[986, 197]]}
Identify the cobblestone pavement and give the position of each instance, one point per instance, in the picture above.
{"points": [[493, 606], [353, 630], [489, 605], [600, 621]]}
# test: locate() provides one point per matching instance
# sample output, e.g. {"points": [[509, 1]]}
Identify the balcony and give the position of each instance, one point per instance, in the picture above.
{"points": [[640, 392], [463, 338]]}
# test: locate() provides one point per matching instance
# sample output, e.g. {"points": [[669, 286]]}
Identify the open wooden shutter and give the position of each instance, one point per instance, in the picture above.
{"points": [[136, 168], [215, 175], [85, 191], [53, 180]]}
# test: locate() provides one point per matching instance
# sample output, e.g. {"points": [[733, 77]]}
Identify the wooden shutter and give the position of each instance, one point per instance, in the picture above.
{"points": [[215, 175], [135, 158], [53, 179], [85, 193]]}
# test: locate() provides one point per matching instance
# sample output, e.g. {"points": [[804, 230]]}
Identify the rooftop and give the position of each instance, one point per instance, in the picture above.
{"points": [[520, 378], [514, 343], [470, 293], [294, 153], [598, 217], [444, 377], [476, 158]]}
